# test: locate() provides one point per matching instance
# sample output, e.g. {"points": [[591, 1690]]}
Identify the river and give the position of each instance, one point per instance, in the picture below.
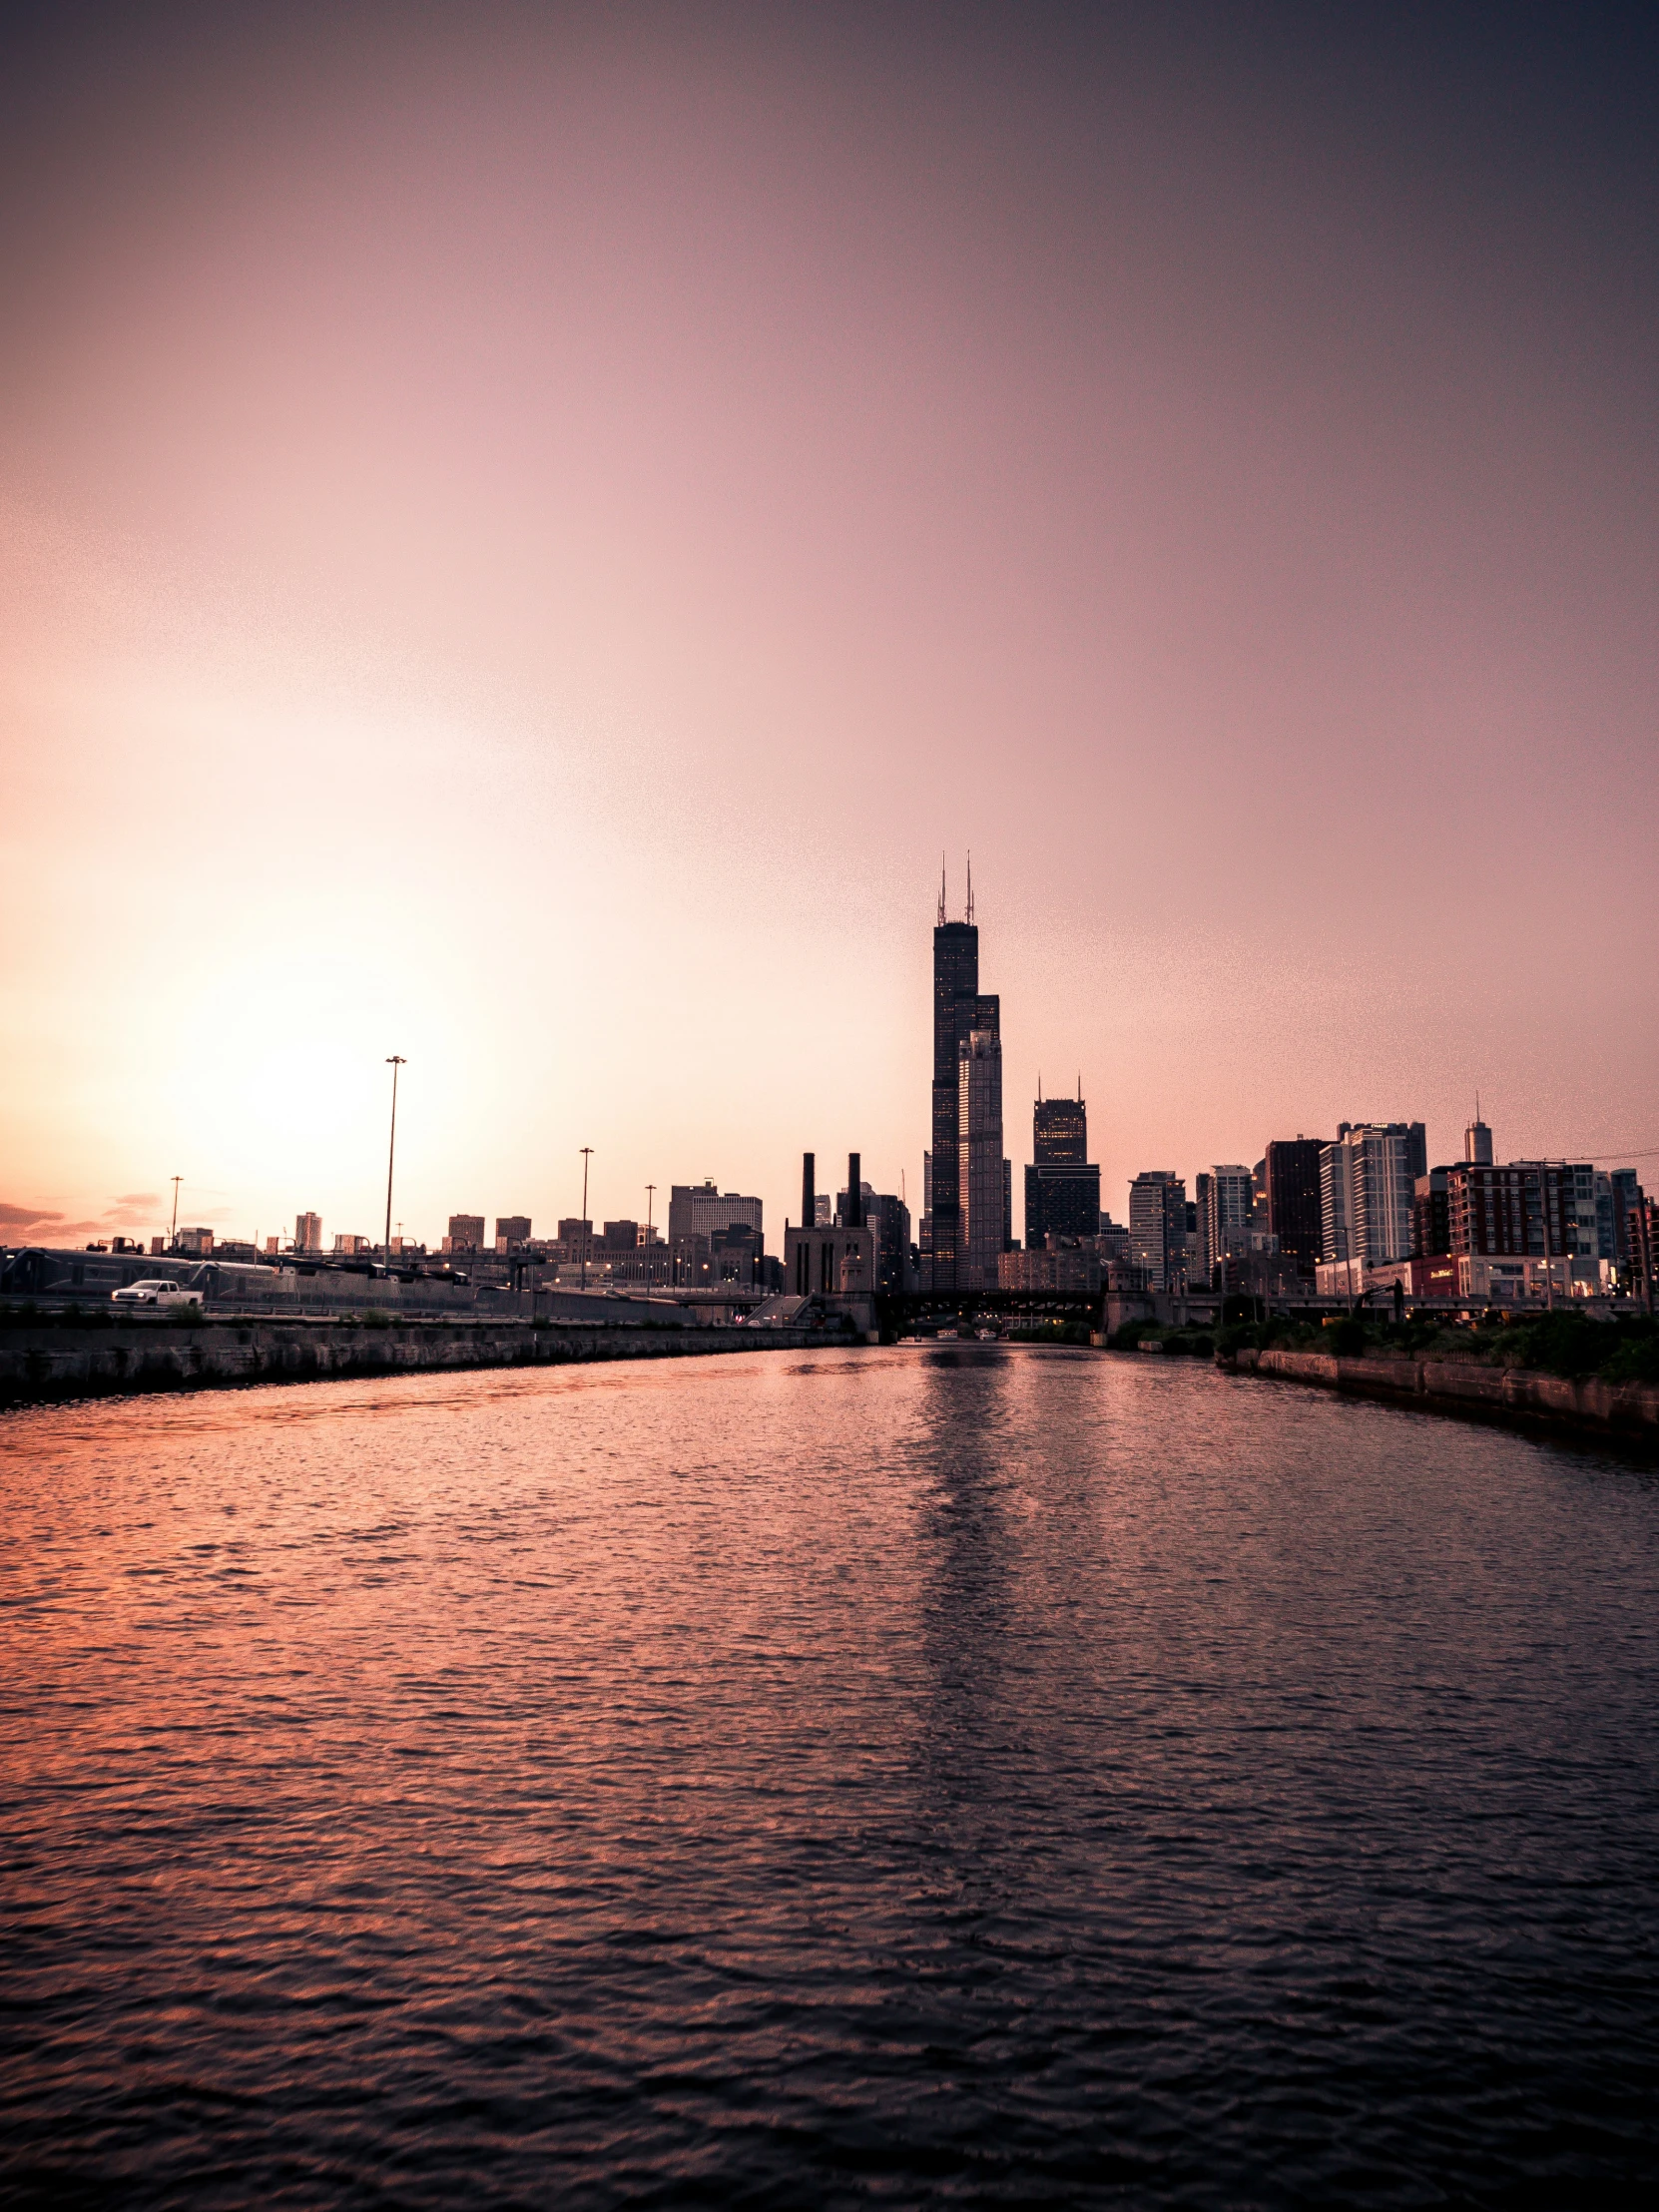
{"points": [[968, 1775]]}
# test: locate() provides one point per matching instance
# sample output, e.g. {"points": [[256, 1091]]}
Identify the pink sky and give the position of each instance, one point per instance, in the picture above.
{"points": [[522, 536]]}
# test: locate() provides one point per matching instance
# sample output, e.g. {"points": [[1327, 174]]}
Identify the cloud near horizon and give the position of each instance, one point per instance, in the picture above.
{"points": [[121, 1213], [22, 1217]]}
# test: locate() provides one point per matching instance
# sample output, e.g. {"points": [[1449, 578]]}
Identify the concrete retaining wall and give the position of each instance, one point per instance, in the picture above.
{"points": [[44, 1363], [1463, 1385]]}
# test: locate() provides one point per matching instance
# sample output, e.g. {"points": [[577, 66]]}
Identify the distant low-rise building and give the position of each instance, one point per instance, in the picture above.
{"points": [[1488, 1210], [1430, 1215], [647, 1266], [1059, 1270], [1641, 1265], [735, 1261], [699, 1209], [350, 1246], [197, 1242], [1625, 1193], [511, 1231], [1469, 1279], [465, 1233], [835, 1263], [1112, 1238], [890, 1216], [1537, 1208], [1262, 1271]]}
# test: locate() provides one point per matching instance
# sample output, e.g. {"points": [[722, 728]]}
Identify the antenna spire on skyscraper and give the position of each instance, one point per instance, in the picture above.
{"points": [[941, 890], [970, 886]]}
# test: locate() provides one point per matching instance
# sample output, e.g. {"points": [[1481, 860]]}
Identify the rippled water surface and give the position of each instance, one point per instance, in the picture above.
{"points": [[881, 1776]]}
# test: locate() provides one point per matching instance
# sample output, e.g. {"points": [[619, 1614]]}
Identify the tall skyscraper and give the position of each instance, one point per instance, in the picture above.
{"points": [[1059, 1131], [959, 1013], [1062, 1187], [1368, 1187], [1293, 1183], [981, 1193], [1226, 1219], [1158, 1228]]}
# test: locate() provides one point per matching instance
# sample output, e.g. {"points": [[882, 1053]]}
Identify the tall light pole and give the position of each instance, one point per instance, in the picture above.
{"points": [[172, 1233], [394, 1061], [587, 1154], [650, 1201]]}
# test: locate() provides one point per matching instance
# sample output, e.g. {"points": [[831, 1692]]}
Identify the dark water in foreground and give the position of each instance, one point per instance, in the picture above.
{"points": [[892, 1776]]}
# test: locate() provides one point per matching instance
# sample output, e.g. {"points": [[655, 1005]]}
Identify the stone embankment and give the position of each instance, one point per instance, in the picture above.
{"points": [[1628, 1410], [43, 1362]]}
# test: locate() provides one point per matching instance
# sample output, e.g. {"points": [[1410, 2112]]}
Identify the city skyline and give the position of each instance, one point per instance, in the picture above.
{"points": [[142, 1214], [468, 513]]}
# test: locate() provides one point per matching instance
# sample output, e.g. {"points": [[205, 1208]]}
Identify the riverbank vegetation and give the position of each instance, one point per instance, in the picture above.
{"points": [[1564, 1343]]}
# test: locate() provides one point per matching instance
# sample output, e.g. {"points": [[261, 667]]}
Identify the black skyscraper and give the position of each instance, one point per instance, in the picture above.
{"points": [[1294, 1199], [955, 1009], [1062, 1187], [1059, 1132]]}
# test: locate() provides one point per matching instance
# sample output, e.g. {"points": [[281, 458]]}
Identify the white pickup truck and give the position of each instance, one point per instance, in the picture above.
{"points": [[155, 1292]]}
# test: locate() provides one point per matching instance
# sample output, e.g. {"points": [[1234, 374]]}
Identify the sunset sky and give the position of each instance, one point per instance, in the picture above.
{"points": [[524, 533]]}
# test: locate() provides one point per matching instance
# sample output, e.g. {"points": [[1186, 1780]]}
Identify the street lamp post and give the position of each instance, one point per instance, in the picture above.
{"points": [[394, 1061], [587, 1154], [650, 1201], [172, 1233]]}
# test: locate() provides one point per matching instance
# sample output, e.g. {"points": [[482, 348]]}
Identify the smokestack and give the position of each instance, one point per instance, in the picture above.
{"points": [[855, 1192], [809, 1189]]}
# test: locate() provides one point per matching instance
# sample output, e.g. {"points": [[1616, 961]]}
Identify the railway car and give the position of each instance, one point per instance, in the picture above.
{"points": [[63, 1278], [294, 1285]]}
